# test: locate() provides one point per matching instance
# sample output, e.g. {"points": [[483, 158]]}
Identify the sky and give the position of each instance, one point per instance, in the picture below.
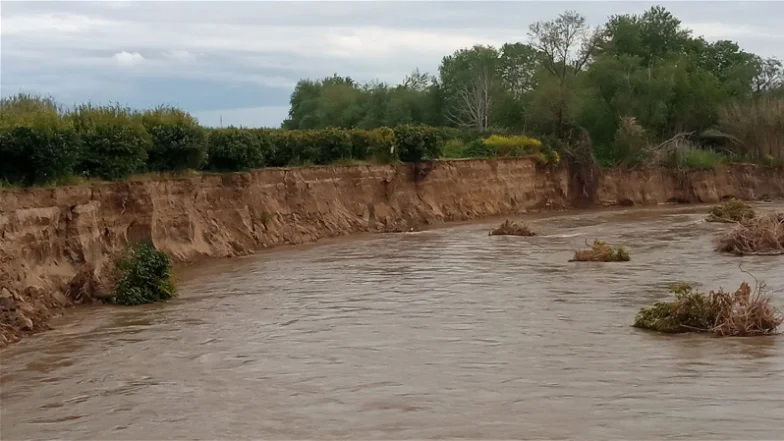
{"points": [[238, 62]]}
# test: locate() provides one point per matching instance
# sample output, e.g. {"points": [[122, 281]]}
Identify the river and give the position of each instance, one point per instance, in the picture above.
{"points": [[446, 333]]}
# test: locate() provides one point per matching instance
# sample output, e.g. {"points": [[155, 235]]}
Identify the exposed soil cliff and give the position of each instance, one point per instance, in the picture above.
{"points": [[57, 245]]}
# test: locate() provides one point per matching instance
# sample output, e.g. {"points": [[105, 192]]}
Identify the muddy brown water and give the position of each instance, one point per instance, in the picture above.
{"points": [[444, 333]]}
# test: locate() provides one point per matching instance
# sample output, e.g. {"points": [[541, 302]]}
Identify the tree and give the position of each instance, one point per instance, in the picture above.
{"points": [[566, 44], [470, 81]]}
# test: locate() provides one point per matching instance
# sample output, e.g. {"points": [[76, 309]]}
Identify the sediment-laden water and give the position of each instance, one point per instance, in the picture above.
{"points": [[441, 333]]}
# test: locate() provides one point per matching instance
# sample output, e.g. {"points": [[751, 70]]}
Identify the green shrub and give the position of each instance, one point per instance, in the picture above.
{"points": [[630, 143], [328, 145], [699, 159], [143, 275], [233, 149], [690, 311], [732, 210], [745, 312], [416, 143], [376, 143], [178, 142], [454, 148], [37, 145], [517, 145], [478, 149], [114, 141]]}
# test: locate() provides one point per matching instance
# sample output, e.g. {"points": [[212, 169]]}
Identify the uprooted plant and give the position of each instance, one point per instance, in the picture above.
{"points": [[762, 235], [509, 228], [600, 251], [731, 211], [143, 275], [745, 312]]}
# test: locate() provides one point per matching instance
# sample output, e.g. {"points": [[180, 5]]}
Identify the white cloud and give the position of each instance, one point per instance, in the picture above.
{"points": [[31, 24], [180, 55], [265, 116], [729, 31], [128, 58]]}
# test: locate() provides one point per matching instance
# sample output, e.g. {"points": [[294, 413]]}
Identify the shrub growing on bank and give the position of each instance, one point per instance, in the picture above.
{"points": [[143, 275], [234, 149], [730, 211], [378, 144], [742, 313], [178, 142], [37, 145], [513, 145], [417, 143], [114, 141]]}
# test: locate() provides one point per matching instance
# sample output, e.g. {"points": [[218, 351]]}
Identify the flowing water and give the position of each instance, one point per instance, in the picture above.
{"points": [[442, 333]]}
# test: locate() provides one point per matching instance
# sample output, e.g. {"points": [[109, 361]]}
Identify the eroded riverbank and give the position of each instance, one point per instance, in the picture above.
{"points": [[443, 333], [57, 245]]}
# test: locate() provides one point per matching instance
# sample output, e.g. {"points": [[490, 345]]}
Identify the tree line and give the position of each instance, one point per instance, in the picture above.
{"points": [[636, 81]]}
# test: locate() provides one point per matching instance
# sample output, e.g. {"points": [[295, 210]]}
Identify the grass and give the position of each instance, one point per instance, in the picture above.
{"points": [[730, 211], [745, 312], [601, 252], [509, 228], [762, 235]]}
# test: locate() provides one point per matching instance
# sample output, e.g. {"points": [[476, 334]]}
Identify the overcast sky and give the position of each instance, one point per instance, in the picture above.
{"points": [[240, 61]]}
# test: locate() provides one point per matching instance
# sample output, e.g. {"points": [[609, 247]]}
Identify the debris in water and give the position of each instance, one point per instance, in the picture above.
{"points": [[731, 211], [742, 313], [601, 252], [762, 235], [509, 228]]}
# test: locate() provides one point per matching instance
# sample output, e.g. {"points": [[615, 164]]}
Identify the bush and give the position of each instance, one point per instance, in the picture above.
{"points": [[741, 313], [762, 235], [601, 252], [143, 275], [513, 145], [178, 142], [453, 148], [630, 142], [731, 211], [328, 145], [37, 145], [699, 159], [376, 143], [509, 228], [234, 149], [478, 149], [114, 141], [415, 143], [757, 125]]}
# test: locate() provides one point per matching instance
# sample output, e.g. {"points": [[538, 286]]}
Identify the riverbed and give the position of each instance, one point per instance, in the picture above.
{"points": [[446, 333]]}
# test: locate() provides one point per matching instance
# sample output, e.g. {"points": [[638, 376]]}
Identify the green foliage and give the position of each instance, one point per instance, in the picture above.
{"points": [[114, 141], [690, 311], [143, 275], [732, 210], [417, 143], [178, 142], [234, 149], [699, 159], [517, 145], [37, 144], [377, 143]]}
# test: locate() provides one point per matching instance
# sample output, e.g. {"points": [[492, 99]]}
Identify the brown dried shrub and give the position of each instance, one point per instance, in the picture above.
{"points": [[763, 235], [601, 252], [509, 228]]}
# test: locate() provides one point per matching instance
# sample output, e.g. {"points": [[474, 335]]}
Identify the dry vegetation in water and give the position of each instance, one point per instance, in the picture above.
{"points": [[745, 312], [731, 211], [601, 252], [763, 235], [509, 228]]}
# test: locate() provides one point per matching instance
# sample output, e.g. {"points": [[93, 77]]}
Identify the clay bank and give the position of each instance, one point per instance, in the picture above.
{"points": [[57, 245]]}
